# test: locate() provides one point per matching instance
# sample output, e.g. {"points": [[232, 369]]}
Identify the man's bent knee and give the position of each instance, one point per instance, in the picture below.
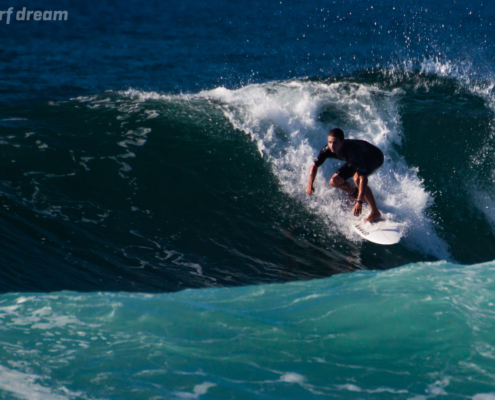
{"points": [[336, 181]]}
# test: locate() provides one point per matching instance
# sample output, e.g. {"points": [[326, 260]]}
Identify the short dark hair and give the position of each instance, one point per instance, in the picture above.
{"points": [[337, 134]]}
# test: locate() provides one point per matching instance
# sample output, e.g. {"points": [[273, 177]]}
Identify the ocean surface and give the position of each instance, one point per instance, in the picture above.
{"points": [[156, 238]]}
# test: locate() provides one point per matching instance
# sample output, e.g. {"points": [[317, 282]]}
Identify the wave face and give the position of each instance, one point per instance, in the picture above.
{"points": [[419, 331], [137, 190]]}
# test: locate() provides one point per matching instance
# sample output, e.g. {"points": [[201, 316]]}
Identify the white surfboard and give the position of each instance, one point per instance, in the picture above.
{"points": [[383, 232]]}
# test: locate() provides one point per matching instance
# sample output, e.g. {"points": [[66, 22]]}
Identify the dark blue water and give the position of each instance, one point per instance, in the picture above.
{"points": [[152, 147]]}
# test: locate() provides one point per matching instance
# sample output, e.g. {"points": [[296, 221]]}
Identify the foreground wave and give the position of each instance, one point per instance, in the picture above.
{"points": [[422, 330]]}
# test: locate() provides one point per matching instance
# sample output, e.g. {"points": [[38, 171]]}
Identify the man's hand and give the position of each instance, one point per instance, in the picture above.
{"points": [[310, 189], [357, 209]]}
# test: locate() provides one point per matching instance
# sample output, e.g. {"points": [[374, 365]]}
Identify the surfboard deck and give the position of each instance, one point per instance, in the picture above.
{"points": [[384, 231]]}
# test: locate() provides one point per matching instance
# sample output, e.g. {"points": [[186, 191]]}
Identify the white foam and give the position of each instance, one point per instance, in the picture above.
{"points": [[25, 386], [354, 388], [484, 396], [43, 318], [293, 377], [283, 119], [197, 391], [438, 387], [349, 387]]}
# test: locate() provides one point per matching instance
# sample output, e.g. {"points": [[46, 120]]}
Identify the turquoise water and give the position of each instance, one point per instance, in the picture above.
{"points": [[419, 331]]}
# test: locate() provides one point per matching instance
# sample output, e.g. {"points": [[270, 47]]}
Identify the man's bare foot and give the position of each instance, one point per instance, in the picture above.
{"points": [[374, 216]]}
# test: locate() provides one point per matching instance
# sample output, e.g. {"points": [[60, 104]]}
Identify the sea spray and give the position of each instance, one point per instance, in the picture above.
{"points": [[289, 123]]}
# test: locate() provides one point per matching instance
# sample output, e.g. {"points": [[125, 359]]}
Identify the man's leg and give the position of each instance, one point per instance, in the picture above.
{"points": [[370, 199], [339, 183], [340, 177]]}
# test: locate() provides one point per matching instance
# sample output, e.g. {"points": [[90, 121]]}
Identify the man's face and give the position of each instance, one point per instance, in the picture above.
{"points": [[334, 144]]}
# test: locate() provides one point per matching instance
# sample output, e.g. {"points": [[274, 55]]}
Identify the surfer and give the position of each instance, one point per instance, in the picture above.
{"points": [[362, 160]]}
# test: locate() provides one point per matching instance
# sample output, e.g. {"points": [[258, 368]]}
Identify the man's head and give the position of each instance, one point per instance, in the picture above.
{"points": [[335, 140]]}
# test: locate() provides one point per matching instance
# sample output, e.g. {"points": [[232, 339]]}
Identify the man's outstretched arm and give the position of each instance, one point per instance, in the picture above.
{"points": [[312, 175]]}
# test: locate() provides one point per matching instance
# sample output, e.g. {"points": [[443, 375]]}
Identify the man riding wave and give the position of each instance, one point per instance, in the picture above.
{"points": [[361, 158]]}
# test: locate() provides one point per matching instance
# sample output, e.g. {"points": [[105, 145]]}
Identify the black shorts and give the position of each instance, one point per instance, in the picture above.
{"points": [[347, 171]]}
